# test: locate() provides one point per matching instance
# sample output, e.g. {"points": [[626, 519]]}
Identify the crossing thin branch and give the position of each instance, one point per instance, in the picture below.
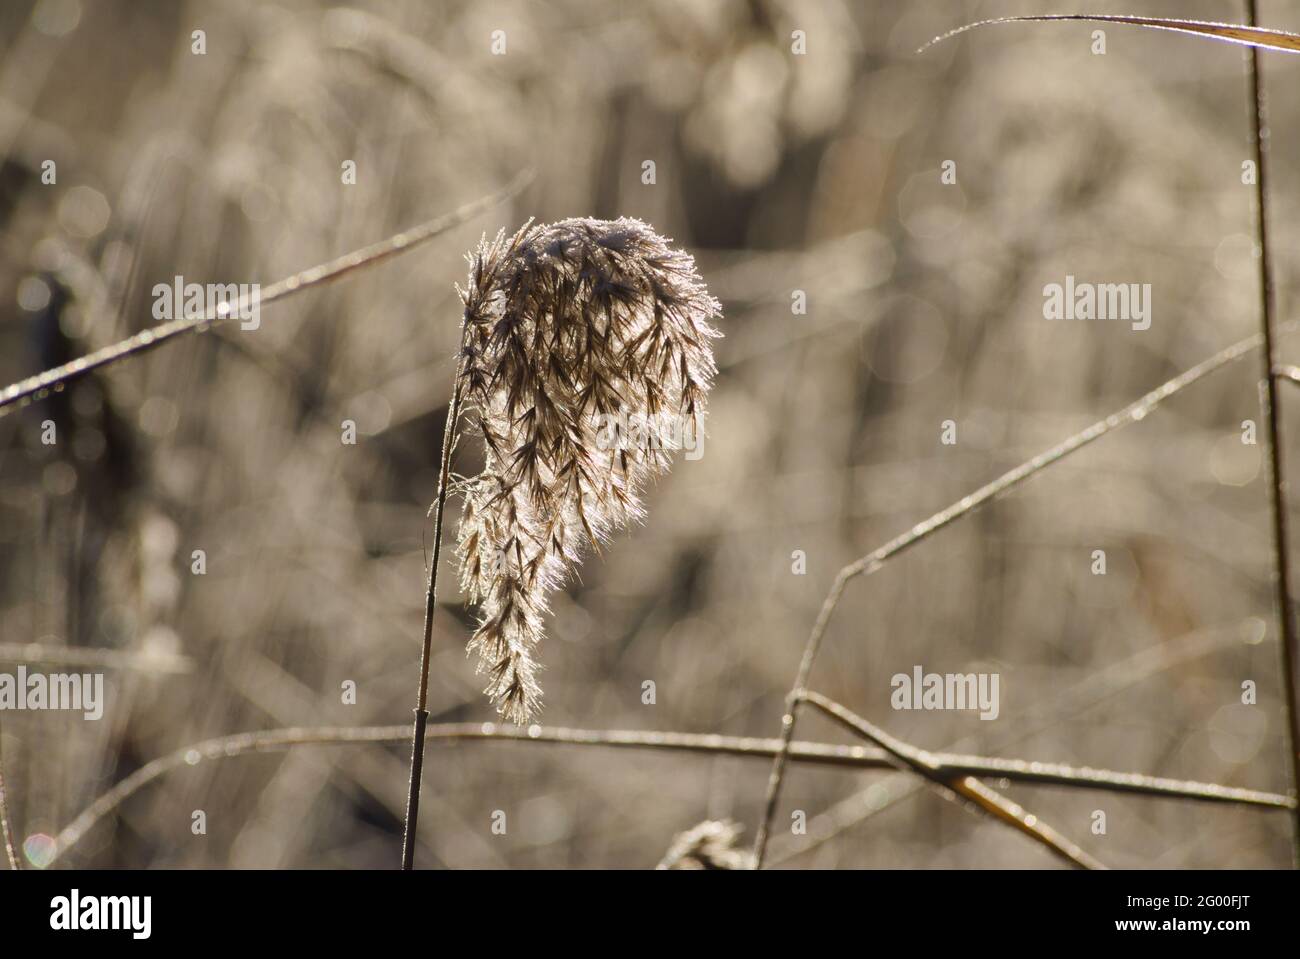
{"points": [[1008, 481], [956, 783], [42, 384], [823, 754]]}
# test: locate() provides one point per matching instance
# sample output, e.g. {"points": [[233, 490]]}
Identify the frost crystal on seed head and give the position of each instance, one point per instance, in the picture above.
{"points": [[567, 328]]}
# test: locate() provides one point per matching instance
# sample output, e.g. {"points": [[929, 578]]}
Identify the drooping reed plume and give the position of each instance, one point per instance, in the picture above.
{"points": [[572, 332]]}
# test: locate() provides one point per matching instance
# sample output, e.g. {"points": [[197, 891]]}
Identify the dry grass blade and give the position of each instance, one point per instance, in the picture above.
{"points": [[1061, 774], [873, 561], [1132, 413], [39, 386], [743, 747], [957, 783], [33, 654], [1227, 32], [1088, 694]]}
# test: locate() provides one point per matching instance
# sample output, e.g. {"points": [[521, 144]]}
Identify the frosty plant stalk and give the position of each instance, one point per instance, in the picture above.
{"points": [[566, 327]]}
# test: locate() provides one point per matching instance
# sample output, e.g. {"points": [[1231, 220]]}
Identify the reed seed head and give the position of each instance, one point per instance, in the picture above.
{"points": [[713, 844], [571, 331]]}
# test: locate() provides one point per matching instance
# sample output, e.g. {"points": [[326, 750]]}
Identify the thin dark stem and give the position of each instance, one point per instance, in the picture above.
{"points": [[777, 776], [39, 386], [6, 822], [430, 602], [872, 562], [1273, 429], [956, 783]]}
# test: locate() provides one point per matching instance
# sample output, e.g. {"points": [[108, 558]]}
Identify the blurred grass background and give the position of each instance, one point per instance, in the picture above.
{"points": [[780, 172]]}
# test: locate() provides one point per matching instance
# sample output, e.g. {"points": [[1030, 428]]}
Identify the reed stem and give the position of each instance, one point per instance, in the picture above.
{"points": [[430, 602], [1273, 430]]}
